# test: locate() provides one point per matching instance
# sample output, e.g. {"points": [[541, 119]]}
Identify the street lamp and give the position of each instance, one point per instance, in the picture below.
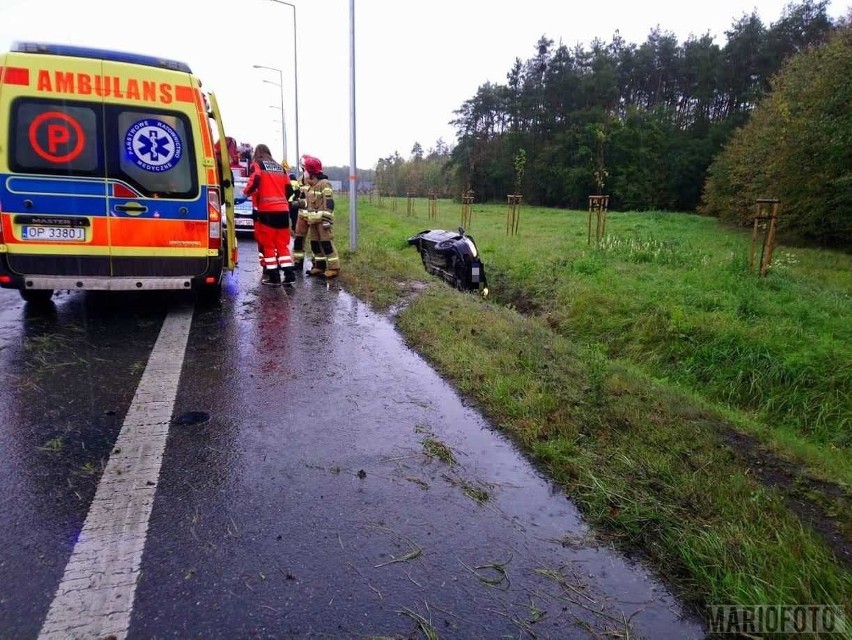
{"points": [[295, 75], [280, 86], [283, 124], [353, 166]]}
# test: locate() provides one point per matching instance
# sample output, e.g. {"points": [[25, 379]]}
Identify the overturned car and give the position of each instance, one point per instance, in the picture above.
{"points": [[453, 257]]}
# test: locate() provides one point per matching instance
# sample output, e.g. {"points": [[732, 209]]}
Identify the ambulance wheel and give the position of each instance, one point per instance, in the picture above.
{"points": [[37, 296], [208, 296]]}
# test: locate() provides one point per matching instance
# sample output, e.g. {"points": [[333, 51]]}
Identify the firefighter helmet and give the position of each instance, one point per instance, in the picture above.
{"points": [[311, 165]]}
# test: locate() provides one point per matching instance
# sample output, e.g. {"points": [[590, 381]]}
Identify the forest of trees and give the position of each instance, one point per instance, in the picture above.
{"points": [[645, 123], [796, 147]]}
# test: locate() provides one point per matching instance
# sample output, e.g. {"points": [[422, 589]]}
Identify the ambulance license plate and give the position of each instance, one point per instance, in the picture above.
{"points": [[54, 234]]}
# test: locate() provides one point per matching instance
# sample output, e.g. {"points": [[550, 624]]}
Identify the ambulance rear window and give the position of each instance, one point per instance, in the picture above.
{"points": [[152, 150], [55, 137]]}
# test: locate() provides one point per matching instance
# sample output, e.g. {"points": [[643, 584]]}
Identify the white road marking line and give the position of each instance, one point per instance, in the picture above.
{"points": [[95, 597]]}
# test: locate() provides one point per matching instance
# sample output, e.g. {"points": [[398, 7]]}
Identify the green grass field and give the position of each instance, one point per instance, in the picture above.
{"points": [[698, 414]]}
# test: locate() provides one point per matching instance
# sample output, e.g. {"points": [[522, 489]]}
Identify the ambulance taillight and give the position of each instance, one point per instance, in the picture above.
{"points": [[214, 219]]}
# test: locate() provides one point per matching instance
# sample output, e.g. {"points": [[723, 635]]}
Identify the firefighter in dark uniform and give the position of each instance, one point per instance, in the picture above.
{"points": [[294, 201], [316, 217], [270, 190]]}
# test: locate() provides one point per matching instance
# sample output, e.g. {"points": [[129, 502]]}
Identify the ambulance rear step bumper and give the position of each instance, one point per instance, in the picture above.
{"points": [[89, 283]]}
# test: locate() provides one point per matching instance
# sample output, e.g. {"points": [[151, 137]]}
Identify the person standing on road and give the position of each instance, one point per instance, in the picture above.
{"points": [[294, 201], [316, 216], [269, 188]]}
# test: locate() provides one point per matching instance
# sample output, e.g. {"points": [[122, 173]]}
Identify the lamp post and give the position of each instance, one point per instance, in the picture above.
{"points": [[280, 86], [353, 171], [282, 121], [295, 75]]}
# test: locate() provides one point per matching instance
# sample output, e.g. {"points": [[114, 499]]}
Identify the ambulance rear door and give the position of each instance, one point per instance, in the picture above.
{"points": [[156, 200], [228, 186], [52, 170]]}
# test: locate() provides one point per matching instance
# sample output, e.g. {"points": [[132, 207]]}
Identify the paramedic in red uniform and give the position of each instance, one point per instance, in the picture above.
{"points": [[270, 190]]}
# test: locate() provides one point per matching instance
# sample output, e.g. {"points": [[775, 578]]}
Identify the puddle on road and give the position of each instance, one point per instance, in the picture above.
{"points": [[337, 457], [365, 443], [486, 466]]}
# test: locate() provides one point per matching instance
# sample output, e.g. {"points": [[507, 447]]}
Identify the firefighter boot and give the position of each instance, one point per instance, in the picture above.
{"points": [[273, 278], [331, 263], [319, 264], [299, 252], [289, 275]]}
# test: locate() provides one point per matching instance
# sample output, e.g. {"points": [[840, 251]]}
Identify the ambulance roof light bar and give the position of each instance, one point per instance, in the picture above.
{"points": [[99, 54]]}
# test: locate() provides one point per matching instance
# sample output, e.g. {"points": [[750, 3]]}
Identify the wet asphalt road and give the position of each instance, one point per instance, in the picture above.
{"points": [[307, 504]]}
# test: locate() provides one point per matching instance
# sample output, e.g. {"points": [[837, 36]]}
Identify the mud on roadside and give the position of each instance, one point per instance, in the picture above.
{"points": [[824, 506]]}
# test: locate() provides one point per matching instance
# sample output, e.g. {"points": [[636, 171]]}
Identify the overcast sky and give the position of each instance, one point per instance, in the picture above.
{"points": [[416, 62]]}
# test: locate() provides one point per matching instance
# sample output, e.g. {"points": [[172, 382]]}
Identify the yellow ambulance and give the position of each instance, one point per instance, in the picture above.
{"points": [[110, 175]]}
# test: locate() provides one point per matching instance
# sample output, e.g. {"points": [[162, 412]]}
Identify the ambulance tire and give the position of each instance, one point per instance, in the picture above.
{"points": [[37, 296], [209, 296]]}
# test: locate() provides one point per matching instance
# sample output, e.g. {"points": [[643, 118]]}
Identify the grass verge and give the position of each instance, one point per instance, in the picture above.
{"points": [[698, 416]]}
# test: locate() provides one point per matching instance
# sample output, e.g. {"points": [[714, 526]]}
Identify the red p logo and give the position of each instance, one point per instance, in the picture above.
{"points": [[56, 136]]}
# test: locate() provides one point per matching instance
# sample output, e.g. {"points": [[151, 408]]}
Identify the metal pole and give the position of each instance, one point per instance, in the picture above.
{"points": [[353, 196], [283, 124], [295, 74], [280, 85], [296, 82]]}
